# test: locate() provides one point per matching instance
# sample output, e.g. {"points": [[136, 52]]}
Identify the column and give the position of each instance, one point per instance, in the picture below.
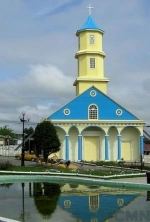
{"points": [[119, 147], [67, 147], [141, 144], [79, 147], [106, 147]]}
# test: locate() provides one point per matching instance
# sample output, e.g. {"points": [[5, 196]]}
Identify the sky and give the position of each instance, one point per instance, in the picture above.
{"points": [[37, 49]]}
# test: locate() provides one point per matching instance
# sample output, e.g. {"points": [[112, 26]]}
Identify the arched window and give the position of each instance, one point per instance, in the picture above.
{"points": [[92, 111]]}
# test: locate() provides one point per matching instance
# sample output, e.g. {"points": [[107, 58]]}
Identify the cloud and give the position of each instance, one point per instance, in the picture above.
{"points": [[36, 92], [63, 8]]}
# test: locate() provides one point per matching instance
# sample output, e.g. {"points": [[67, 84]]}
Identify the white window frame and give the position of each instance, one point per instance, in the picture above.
{"points": [[92, 39], [92, 63], [92, 111]]}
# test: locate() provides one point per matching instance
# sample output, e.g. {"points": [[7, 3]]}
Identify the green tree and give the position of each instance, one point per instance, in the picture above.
{"points": [[46, 139], [8, 133], [46, 196], [28, 131]]}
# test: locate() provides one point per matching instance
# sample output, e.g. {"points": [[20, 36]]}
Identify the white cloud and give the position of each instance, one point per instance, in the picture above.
{"points": [[36, 93]]}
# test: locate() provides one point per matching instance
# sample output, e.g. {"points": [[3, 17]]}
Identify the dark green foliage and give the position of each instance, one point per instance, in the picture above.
{"points": [[28, 131], [46, 139], [46, 200], [6, 185], [6, 131], [5, 166]]}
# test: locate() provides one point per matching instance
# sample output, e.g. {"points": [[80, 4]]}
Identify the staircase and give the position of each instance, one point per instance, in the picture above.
{"points": [[26, 140]]}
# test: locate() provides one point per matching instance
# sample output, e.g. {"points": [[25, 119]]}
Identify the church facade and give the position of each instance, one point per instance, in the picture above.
{"points": [[93, 127]]}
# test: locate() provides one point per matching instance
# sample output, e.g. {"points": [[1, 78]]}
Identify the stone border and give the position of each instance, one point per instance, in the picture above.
{"points": [[70, 179]]}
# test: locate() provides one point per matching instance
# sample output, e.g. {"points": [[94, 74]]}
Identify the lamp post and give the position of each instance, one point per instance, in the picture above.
{"points": [[23, 120], [22, 216]]}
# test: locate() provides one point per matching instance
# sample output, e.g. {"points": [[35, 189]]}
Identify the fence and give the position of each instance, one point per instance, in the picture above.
{"points": [[8, 150]]}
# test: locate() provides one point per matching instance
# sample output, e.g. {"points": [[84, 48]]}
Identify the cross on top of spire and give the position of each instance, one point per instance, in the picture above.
{"points": [[90, 7]]}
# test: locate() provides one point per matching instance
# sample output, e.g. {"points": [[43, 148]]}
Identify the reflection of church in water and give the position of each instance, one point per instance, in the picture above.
{"points": [[87, 203], [93, 203]]}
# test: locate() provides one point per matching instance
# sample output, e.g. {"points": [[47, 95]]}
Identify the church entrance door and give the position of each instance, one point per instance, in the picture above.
{"points": [[90, 148], [126, 150]]}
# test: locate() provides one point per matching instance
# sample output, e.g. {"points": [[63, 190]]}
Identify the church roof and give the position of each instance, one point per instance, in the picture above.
{"points": [[103, 212], [89, 24], [77, 109]]}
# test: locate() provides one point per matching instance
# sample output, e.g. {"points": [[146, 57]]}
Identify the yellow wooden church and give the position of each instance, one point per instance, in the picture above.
{"points": [[93, 127]]}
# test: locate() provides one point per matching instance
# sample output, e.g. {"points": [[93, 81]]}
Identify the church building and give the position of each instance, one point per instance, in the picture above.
{"points": [[93, 127]]}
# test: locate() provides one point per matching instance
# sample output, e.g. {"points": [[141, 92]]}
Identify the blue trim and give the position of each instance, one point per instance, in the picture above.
{"points": [[67, 147], [119, 147], [106, 147], [141, 145], [79, 147], [106, 108]]}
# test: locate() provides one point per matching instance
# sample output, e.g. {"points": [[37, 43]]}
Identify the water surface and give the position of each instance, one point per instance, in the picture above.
{"points": [[64, 202]]}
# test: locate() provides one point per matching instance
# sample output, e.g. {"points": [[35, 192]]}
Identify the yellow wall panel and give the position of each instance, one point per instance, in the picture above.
{"points": [[82, 86], [126, 150], [90, 145]]}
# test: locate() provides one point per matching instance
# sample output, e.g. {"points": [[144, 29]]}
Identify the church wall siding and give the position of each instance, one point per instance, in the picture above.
{"points": [[73, 144], [82, 66], [102, 147], [113, 144], [61, 136], [131, 135]]}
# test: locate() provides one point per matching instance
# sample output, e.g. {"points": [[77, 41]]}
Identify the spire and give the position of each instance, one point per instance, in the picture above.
{"points": [[89, 25]]}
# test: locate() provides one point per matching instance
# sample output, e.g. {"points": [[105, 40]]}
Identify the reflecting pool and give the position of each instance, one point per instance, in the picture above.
{"points": [[64, 202]]}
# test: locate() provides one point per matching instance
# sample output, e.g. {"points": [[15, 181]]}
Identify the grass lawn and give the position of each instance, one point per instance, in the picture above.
{"points": [[61, 168]]}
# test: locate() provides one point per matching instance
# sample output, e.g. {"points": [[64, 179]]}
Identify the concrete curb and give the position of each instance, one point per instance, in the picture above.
{"points": [[69, 179], [75, 174]]}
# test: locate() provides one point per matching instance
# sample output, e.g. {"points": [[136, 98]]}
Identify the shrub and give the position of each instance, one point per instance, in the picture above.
{"points": [[5, 166]]}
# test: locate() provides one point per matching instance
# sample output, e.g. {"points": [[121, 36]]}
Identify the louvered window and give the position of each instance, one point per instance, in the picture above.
{"points": [[93, 112], [92, 63]]}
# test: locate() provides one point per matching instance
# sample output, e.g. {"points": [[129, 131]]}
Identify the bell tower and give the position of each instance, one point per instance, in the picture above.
{"points": [[90, 57]]}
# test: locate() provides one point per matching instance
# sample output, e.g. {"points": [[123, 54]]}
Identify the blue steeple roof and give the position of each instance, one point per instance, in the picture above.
{"points": [[89, 24]]}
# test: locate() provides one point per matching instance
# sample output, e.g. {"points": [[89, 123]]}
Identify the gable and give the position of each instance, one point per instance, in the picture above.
{"points": [[107, 109], [104, 210]]}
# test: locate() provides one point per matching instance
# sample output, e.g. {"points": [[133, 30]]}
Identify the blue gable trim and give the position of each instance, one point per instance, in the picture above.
{"points": [[78, 108]]}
